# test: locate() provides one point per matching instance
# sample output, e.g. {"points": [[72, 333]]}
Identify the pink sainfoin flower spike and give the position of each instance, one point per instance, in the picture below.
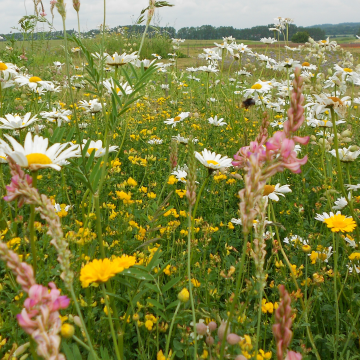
{"points": [[292, 355], [278, 152], [13, 191], [282, 327], [40, 318]]}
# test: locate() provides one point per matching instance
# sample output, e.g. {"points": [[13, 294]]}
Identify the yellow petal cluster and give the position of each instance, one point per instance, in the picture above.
{"points": [[102, 270]]}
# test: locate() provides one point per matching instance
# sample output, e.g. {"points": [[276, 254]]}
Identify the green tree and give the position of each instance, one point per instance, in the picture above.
{"points": [[300, 37]]}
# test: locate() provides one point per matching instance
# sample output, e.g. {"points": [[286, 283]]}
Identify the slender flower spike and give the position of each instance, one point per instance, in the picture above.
{"points": [[213, 161], [35, 153]]}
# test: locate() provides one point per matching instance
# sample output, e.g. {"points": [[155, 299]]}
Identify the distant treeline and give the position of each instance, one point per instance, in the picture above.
{"points": [[340, 29], [209, 32]]}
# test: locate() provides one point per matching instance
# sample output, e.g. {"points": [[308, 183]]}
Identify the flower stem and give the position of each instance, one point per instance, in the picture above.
{"points": [[236, 295], [98, 225], [189, 279], [337, 319], [110, 322], [199, 194], [170, 330]]}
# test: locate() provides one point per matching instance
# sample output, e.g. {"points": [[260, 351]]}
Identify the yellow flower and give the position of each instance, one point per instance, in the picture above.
{"points": [[267, 307], [67, 331], [341, 223], [354, 256], [102, 270], [195, 282], [184, 295], [131, 182], [172, 180], [149, 324]]}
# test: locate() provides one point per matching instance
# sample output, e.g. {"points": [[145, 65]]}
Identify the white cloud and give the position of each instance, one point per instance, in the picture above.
{"points": [[235, 13]]}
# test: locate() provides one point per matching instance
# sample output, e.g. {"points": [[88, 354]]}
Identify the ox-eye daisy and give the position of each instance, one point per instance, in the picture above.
{"points": [[97, 147], [12, 122], [213, 161], [35, 153]]}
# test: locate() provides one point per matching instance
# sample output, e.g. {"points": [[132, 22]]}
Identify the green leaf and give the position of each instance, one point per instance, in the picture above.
{"points": [[156, 304], [152, 287], [138, 274], [170, 284]]}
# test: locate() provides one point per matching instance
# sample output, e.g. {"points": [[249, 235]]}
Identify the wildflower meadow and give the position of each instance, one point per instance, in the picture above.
{"points": [[153, 208]]}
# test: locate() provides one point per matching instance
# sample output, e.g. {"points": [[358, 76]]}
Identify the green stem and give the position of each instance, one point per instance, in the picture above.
{"points": [[189, 279], [110, 322], [236, 295], [199, 194], [337, 318], [170, 330], [78, 310], [98, 224]]}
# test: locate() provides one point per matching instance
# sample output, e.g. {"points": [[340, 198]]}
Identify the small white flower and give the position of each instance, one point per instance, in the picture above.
{"points": [[213, 161], [272, 192], [214, 121]]}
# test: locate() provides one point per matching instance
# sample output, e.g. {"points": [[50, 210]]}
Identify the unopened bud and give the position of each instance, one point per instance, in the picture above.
{"points": [[77, 321], [24, 357], [212, 325], [240, 357], [201, 328], [346, 133], [330, 72], [354, 148], [233, 339], [21, 349], [67, 331], [209, 340], [221, 330]]}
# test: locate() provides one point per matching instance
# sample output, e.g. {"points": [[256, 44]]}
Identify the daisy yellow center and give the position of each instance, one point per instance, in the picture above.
{"points": [[2, 157], [213, 162], [268, 189], [256, 87], [347, 70], [177, 118], [305, 63], [37, 158], [91, 150], [3, 66], [323, 41], [341, 223], [336, 99], [34, 79]]}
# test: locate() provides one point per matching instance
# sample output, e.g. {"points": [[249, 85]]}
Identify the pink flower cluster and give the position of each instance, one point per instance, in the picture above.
{"points": [[40, 319], [278, 152], [13, 190]]}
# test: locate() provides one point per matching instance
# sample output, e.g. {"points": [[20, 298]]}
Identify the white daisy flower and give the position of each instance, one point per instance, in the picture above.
{"points": [[350, 241], [272, 192], [31, 81], [110, 85], [352, 187], [214, 121], [345, 154], [97, 147], [295, 240], [2, 156], [180, 173], [340, 203], [155, 141], [182, 140], [122, 59], [177, 119], [213, 161], [56, 115], [12, 122], [324, 215], [35, 153], [93, 106]]}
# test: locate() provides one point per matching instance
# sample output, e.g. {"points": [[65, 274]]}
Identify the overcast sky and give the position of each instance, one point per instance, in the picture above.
{"points": [[237, 13]]}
